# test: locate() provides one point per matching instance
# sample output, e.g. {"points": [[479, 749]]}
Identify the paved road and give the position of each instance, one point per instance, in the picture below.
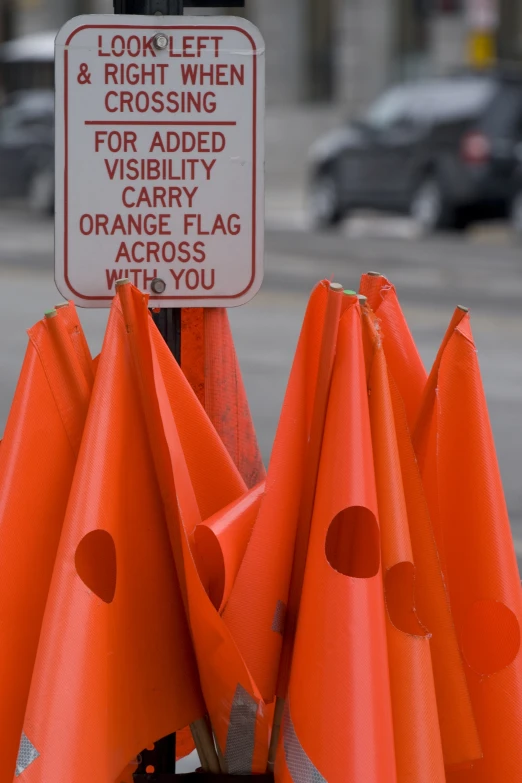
{"points": [[483, 271]]}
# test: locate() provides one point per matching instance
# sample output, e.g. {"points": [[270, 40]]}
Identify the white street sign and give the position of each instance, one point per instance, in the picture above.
{"points": [[160, 159]]}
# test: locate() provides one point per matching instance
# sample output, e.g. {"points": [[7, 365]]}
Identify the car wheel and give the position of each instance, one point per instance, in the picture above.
{"points": [[40, 194], [516, 214], [427, 206], [324, 206], [431, 209]]}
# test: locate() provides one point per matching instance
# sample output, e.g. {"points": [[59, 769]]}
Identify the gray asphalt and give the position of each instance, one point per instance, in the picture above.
{"points": [[482, 271]]}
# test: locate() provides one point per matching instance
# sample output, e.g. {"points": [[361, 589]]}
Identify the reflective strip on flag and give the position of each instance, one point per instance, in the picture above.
{"points": [[299, 765], [241, 733], [26, 755]]}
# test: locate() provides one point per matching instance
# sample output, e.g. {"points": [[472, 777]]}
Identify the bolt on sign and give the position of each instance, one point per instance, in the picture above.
{"points": [[160, 159]]}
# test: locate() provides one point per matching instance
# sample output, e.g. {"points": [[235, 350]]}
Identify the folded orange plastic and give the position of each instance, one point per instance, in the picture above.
{"points": [[459, 466], [338, 723], [407, 382], [226, 401], [231, 696], [37, 461], [115, 668], [220, 544], [417, 734]]}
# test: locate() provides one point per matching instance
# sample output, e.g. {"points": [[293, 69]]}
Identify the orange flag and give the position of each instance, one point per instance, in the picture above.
{"points": [[402, 356], [208, 359], [231, 696], [407, 377], [338, 722], [256, 609], [37, 460], [457, 456], [418, 744], [115, 669]]}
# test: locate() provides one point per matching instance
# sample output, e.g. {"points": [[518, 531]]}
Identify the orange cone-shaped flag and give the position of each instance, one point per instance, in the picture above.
{"points": [[418, 745], [402, 356], [115, 669], [256, 610], [208, 359], [455, 442], [338, 722], [407, 377], [231, 697], [37, 460]]}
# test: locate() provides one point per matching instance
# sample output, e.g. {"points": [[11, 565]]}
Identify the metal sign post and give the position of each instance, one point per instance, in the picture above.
{"points": [[162, 759]]}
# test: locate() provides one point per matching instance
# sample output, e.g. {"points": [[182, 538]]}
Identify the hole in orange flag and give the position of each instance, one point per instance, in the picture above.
{"points": [[399, 584], [352, 543], [209, 559], [490, 637], [95, 562]]}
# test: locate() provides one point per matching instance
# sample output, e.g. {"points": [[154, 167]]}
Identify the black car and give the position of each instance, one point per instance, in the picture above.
{"points": [[443, 150], [27, 148]]}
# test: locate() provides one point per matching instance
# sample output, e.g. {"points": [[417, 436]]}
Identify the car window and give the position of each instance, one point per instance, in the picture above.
{"points": [[504, 116], [451, 100], [392, 107], [440, 100]]}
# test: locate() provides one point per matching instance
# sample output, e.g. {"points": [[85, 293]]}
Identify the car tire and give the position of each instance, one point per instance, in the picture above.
{"points": [[324, 203], [40, 193], [516, 214], [430, 208]]}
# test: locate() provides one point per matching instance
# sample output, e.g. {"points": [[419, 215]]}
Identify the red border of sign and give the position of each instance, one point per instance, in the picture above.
{"points": [[66, 167]]}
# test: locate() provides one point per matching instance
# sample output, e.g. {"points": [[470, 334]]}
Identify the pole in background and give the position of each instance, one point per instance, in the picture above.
{"points": [[482, 18]]}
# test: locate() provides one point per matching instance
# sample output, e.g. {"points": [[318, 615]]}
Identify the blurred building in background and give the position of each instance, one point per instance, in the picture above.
{"points": [[341, 52]]}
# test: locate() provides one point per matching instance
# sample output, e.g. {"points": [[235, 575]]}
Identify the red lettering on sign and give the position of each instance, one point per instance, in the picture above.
{"points": [[101, 225], [221, 75], [194, 46], [135, 73], [194, 278], [148, 278], [154, 252], [158, 196], [158, 102], [139, 277], [177, 276], [229, 226], [164, 169], [134, 46], [112, 276], [116, 141], [187, 141]]}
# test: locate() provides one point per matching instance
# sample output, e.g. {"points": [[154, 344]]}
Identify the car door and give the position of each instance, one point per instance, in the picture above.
{"points": [[362, 156], [397, 135], [350, 167]]}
